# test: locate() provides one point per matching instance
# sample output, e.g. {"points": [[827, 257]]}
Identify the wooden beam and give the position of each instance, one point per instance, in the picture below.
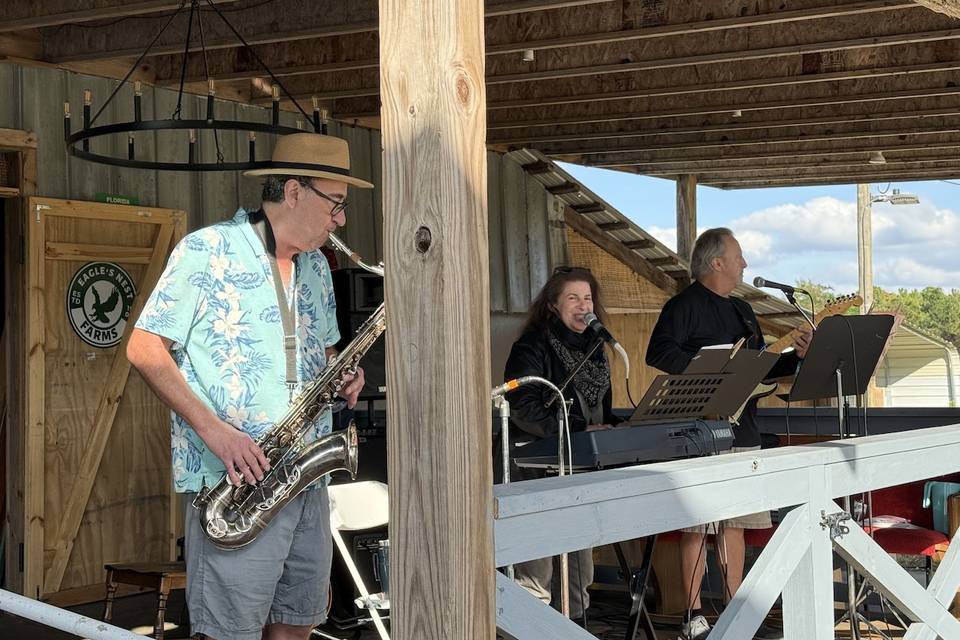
{"points": [[723, 155], [638, 244], [21, 15], [748, 168], [354, 51], [561, 189], [537, 168], [613, 226], [296, 21], [721, 58], [438, 355], [588, 132], [704, 26], [835, 180], [863, 170], [758, 140], [733, 85], [589, 207], [643, 110], [686, 215], [592, 232], [75, 252], [664, 261], [512, 122]]}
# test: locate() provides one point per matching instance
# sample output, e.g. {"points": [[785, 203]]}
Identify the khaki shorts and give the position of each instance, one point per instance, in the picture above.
{"points": [[750, 521], [281, 577]]}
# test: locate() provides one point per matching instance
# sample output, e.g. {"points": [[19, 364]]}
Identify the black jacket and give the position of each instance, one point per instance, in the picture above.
{"points": [[693, 319], [532, 355]]}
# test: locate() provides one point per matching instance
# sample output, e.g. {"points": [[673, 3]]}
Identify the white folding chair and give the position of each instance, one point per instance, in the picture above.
{"points": [[353, 507]]}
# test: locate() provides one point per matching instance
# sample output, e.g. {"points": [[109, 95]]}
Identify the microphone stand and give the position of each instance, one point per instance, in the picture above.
{"points": [[564, 559], [576, 370], [792, 300]]}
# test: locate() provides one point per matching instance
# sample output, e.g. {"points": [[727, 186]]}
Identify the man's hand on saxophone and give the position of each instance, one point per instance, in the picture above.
{"points": [[238, 452], [353, 384]]}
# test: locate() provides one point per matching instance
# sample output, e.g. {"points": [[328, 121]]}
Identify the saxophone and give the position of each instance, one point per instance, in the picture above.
{"points": [[233, 516]]}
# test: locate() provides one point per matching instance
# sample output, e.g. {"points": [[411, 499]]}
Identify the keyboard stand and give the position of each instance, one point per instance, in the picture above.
{"points": [[637, 582]]}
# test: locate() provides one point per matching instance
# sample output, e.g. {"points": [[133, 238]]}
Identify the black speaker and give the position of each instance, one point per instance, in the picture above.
{"points": [[364, 547], [358, 294]]}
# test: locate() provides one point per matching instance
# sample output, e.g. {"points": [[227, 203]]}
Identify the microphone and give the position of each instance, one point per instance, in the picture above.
{"points": [[761, 283], [594, 323]]}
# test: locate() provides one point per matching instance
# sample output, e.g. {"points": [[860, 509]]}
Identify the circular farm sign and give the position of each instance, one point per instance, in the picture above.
{"points": [[98, 303]]}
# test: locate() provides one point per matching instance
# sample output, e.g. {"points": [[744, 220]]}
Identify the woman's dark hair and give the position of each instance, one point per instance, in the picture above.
{"points": [[542, 308]]}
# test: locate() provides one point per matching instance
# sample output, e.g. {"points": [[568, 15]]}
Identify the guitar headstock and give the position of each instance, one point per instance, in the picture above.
{"points": [[840, 305]]}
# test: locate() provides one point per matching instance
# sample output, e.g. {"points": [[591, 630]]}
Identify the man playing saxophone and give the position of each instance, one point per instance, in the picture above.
{"points": [[242, 318]]}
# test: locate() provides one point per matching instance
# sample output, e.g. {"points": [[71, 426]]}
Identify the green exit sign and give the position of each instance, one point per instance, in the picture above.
{"points": [[116, 198]]}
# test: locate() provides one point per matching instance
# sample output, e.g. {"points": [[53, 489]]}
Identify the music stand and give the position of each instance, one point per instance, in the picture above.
{"points": [[715, 383], [842, 357]]}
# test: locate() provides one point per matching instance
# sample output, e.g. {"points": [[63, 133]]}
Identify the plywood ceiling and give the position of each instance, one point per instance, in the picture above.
{"points": [[742, 94]]}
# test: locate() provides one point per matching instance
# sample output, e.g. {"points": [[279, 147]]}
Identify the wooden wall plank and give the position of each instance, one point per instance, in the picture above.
{"points": [[538, 247], [33, 489], [515, 245], [41, 115], [361, 221], [495, 232], [376, 177], [10, 78], [85, 178], [139, 183], [176, 189]]}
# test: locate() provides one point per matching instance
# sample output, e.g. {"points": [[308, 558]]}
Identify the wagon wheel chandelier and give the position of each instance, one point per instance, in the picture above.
{"points": [[78, 143]]}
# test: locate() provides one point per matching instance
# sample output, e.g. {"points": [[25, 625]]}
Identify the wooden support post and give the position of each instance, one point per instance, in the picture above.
{"points": [[438, 331], [686, 215], [808, 594], [872, 562]]}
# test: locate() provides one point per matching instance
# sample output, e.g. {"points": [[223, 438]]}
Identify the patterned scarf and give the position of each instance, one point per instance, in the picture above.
{"points": [[593, 379]]}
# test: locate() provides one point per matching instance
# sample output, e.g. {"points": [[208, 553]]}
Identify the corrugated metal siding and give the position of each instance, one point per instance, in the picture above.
{"points": [[37, 105], [518, 205], [915, 372], [521, 256]]}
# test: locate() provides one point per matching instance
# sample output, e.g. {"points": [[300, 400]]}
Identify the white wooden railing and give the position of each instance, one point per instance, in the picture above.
{"points": [[539, 518]]}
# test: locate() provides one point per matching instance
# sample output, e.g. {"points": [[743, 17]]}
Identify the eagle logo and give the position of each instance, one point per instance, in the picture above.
{"points": [[99, 299], [99, 310]]}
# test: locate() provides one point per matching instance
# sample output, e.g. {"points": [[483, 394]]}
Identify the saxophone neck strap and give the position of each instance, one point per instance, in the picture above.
{"points": [[287, 312]]}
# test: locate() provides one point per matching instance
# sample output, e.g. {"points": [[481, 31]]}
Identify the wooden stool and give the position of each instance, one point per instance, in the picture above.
{"points": [[162, 576]]}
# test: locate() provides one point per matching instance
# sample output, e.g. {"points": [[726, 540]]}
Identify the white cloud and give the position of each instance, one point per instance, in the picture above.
{"points": [[914, 246], [666, 235], [824, 223]]}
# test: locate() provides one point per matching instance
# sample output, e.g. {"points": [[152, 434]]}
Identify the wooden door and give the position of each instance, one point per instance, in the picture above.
{"points": [[94, 441]]}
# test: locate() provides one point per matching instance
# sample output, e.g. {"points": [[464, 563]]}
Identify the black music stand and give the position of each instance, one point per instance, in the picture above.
{"points": [[843, 356], [717, 382]]}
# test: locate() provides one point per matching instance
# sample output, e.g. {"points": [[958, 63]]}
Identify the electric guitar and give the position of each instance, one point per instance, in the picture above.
{"points": [[837, 307]]}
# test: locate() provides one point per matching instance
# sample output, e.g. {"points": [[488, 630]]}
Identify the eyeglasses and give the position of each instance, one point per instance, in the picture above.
{"points": [[338, 205], [565, 269]]}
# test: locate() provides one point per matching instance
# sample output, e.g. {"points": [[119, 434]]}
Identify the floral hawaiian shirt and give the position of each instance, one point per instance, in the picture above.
{"points": [[216, 301]]}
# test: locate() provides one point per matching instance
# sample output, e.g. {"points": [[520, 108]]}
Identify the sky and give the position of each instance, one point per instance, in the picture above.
{"points": [[807, 233]]}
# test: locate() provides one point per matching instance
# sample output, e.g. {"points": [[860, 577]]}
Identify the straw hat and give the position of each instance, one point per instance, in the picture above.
{"points": [[314, 155]]}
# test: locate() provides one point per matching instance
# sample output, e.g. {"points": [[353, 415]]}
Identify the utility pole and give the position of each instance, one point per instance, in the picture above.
{"points": [[865, 246]]}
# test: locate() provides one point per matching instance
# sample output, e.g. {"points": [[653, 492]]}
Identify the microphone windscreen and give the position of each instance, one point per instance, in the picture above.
{"points": [[759, 282]]}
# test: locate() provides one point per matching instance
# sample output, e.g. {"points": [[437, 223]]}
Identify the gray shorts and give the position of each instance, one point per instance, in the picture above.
{"points": [[759, 520], [281, 577]]}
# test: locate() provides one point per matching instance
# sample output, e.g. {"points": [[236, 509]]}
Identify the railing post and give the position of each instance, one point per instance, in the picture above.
{"points": [[808, 594]]}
